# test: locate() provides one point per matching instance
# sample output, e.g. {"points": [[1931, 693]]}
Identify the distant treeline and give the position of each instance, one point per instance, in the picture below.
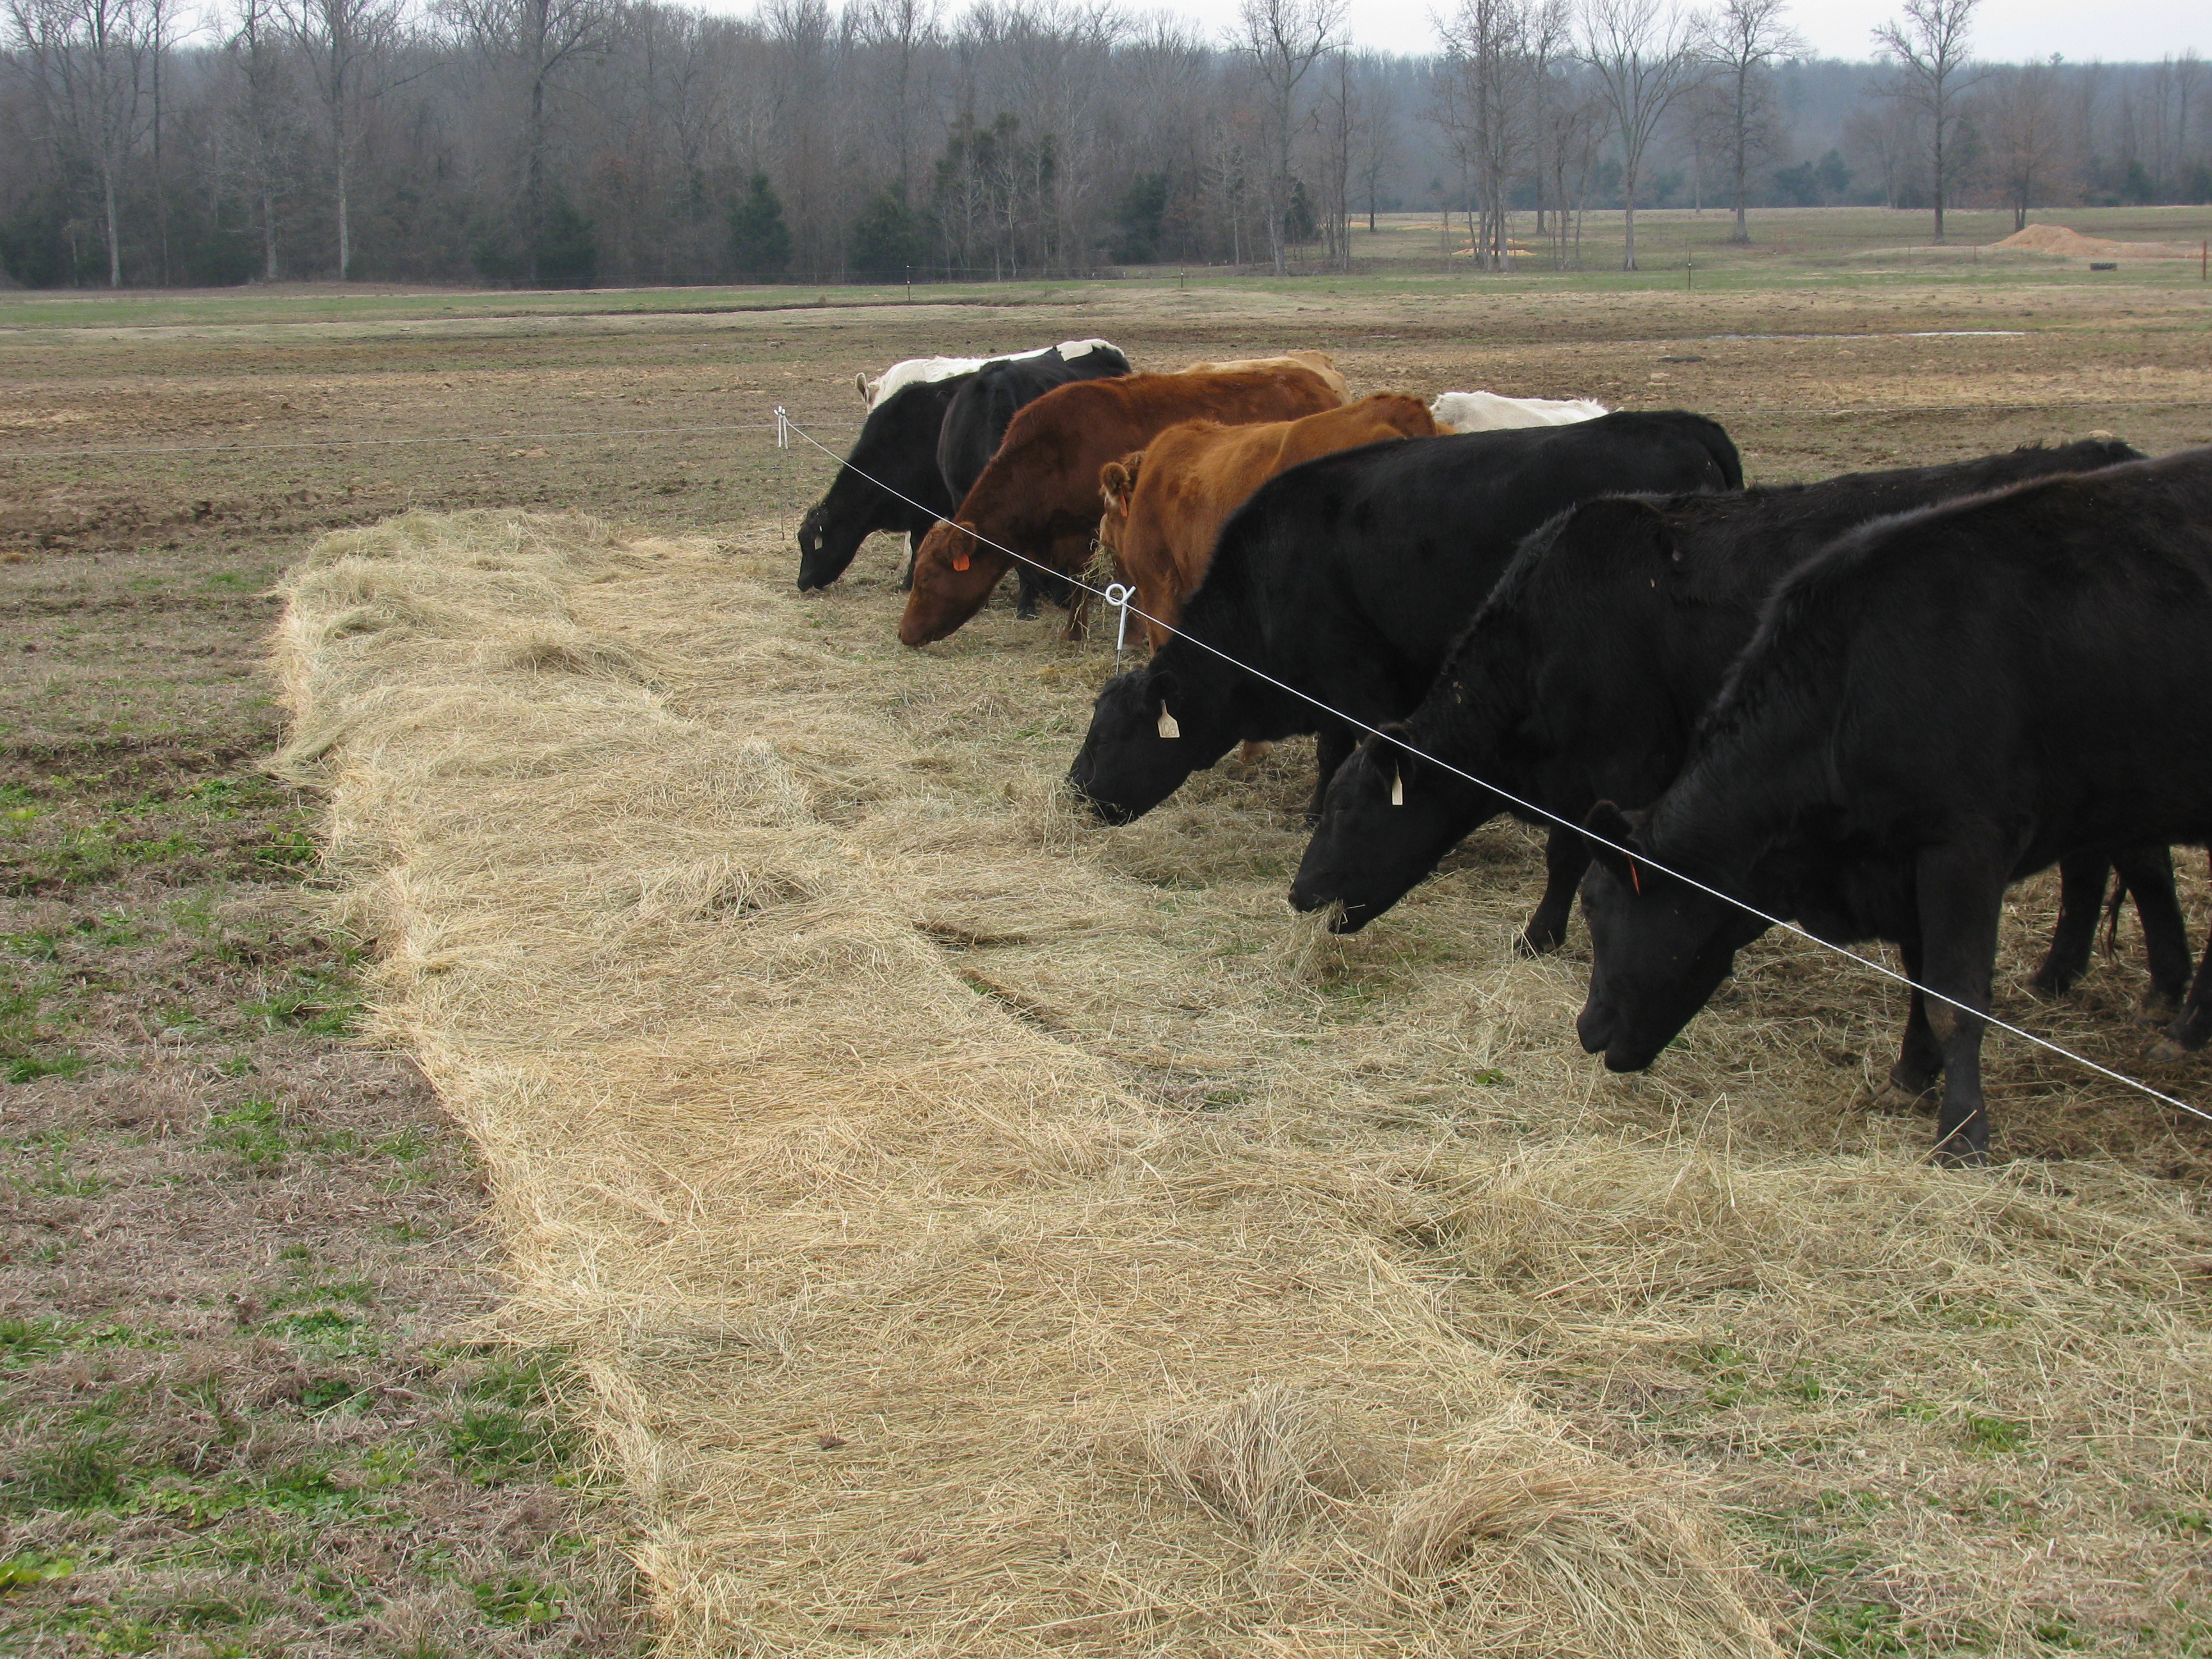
{"points": [[582, 142]]}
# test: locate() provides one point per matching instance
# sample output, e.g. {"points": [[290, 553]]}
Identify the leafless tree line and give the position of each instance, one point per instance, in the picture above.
{"points": [[584, 140]]}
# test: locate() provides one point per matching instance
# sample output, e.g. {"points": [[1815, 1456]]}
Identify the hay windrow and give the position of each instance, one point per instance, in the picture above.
{"points": [[986, 1234]]}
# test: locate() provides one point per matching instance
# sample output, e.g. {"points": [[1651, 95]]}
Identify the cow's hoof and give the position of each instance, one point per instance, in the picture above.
{"points": [[2158, 1011], [1960, 1158], [2167, 1052], [1902, 1100], [1533, 944]]}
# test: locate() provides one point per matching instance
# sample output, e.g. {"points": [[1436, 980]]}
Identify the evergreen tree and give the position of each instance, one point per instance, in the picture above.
{"points": [[887, 238], [760, 242]]}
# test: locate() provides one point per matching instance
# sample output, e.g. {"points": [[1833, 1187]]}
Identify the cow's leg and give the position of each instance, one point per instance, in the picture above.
{"points": [[2081, 877], [1920, 1056], [1025, 593], [2148, 874], [1333, 746], [1566, 855], [2194, 1023], [913, 552], [1961, 895]]}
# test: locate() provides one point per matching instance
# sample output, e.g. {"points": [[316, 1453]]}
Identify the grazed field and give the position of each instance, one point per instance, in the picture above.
{"points": [[241, 1409]]}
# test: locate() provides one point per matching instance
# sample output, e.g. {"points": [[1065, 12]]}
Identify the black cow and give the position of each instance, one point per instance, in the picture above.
{"points": [[1581, 677], [1347, 577], [978, 418], [895, 476], [1937, 705]]}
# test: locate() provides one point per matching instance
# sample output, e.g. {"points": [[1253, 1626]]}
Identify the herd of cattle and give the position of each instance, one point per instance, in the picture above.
{"points": [[1864, 705]]}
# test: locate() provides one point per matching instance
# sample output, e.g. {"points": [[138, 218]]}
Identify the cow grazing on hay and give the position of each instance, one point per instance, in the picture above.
{"points": [[1039, 495], [894, 479], [1348, 578], [1485, 411], [1937, 705], [1583, 676], [1166, 503]]}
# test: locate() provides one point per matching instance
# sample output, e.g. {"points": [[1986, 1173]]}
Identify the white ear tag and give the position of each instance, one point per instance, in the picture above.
{"points": [[1398, 788], [1168, 727]]}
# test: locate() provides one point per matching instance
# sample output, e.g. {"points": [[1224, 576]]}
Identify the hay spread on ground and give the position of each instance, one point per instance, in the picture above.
{"points": [[2073, 244], [983, 1234]]}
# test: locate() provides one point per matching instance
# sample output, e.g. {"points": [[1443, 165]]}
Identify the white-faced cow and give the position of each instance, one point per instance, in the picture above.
{"points": [[892, 478]]}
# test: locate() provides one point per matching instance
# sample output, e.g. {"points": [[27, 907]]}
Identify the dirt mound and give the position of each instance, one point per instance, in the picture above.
{"points": [[985, 1235], [2058, 239]]}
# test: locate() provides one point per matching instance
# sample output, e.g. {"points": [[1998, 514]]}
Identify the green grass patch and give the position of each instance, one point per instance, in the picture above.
{"points": [[30, 1568], [253, 1130], [319, 1001], [1997, 1436], [518, 1600]]}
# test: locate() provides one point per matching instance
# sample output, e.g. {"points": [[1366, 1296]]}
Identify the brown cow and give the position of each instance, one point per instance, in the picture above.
{"points": [[1039, 495], [1166, 504]]}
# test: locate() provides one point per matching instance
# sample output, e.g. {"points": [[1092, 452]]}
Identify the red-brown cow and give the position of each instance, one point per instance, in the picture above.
{"points": [[1039, 495], [1165, 504]]}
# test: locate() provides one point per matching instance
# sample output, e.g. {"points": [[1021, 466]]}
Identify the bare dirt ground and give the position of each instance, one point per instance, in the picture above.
{"points": [[239, 1410]]}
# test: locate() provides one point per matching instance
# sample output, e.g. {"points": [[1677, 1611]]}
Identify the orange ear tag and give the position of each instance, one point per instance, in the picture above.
{"points": [[959, 560]]}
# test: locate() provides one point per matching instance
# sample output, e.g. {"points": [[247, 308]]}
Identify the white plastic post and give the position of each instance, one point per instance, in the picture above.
{"points": [[1117, 593]]}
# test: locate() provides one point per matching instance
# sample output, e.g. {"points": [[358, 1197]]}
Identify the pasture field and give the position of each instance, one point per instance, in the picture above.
{"points": [[258, 1392]]}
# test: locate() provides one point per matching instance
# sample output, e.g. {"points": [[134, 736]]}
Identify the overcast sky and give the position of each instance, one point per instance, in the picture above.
{"points": [[2006, 30]]}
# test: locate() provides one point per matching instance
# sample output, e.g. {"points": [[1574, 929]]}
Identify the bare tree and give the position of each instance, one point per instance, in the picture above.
{"points": [[1643, 55], [257, 52], [1342, 119], [1741, 38], [1928, 46], [540, 39], [342, 42], [1285, 39], [1378, 139], [87, 61], [2026, 123], [1498, 52], [902, 31]]}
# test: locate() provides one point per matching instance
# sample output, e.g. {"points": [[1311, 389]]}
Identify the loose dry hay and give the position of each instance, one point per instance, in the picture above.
{"points": [[984, 1233]]}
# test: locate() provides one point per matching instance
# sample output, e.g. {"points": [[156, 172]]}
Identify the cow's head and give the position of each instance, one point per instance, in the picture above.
{"points": [[954, 572], [1117, 484], [811, 574], [1659, 946], [1145, 738], [1389, 817]]}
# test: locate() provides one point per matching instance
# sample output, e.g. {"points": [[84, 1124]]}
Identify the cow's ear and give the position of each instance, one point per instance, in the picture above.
{"points": [[860, 385], [962, 551], [1609, 835], [1113, 485], [1406, 768]]}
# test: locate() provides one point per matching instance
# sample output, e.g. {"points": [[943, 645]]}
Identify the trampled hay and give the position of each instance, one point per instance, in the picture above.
{"points": [[984, 1233]]}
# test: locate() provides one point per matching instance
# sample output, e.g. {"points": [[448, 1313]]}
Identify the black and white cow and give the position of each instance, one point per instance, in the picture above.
{"points": [[893, 477], [1936, 705]]}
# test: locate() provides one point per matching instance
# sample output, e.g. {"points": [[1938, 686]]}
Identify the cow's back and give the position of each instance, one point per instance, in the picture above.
{"points": [[1369, 562], [1054, 447], [1194, 475]]}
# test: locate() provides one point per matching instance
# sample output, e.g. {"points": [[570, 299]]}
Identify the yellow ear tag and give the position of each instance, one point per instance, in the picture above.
{"points": [[1168, 727], [1398, 788], [959, 560]]}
